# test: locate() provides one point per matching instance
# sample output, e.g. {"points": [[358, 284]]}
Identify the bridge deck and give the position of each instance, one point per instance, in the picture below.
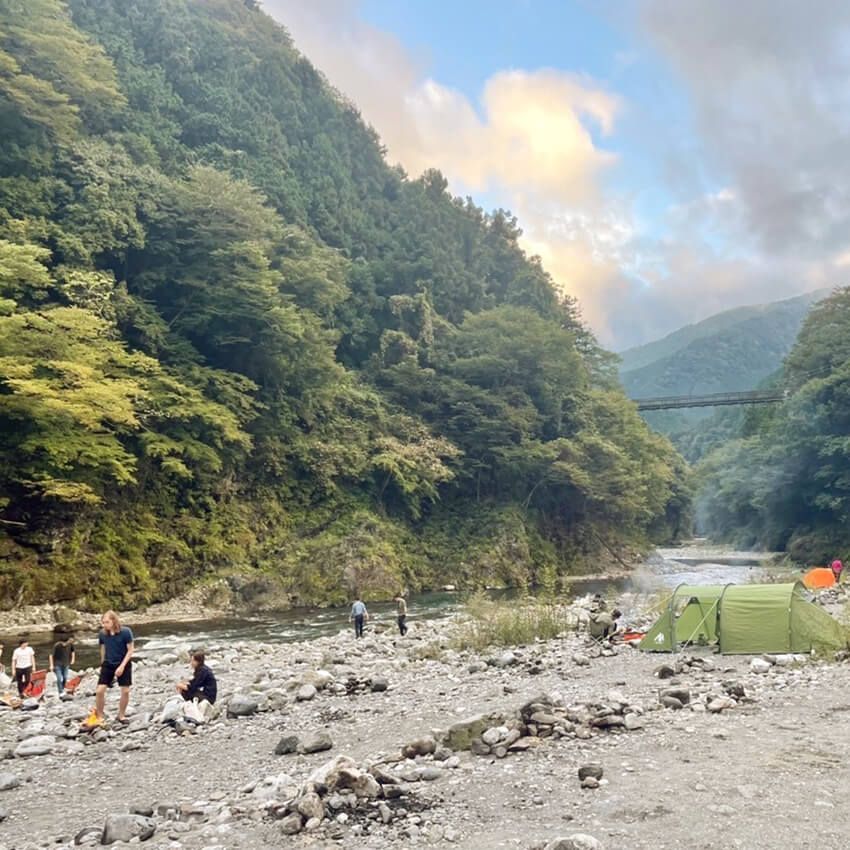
{"points": [[710, 400]]}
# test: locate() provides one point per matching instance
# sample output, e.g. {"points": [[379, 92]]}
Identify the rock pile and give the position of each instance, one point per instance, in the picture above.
{"points": [[543, 717]]}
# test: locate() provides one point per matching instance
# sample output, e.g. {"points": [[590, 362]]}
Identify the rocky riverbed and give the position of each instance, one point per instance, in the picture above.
{"points": [[407, 742]]}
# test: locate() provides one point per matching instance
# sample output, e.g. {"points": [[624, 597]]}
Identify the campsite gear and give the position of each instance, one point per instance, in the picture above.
{"points": [[744, 619], [629, 637], [819, 577], [72, 684], [92, 721], [35, 688]]}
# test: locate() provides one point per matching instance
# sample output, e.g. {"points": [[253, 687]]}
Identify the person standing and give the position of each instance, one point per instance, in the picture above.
{"points": [[401, 611], [23, 664], [116, 662], [360, 615], [61, 660], [837, 568]]}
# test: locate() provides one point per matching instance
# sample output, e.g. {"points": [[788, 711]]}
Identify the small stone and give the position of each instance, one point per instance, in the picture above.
{"points": [[311, 806], [420, 747], [479, 748], [305, 693], [665, 671], [683, 695], [721, 704], [378, 684], [286, 745], [759, 665], [594, 770], [578, 841], [590, 782], [8, 781], [492, 736], [633, 722], [581, 660]]}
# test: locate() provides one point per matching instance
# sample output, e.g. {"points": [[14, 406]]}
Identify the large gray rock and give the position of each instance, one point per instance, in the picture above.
{"points": [[579, 841], [127, 827], [315, 742], [291, 824], [39, 745], [242, 705], [594, 770], [8, 781], [461, 734]]}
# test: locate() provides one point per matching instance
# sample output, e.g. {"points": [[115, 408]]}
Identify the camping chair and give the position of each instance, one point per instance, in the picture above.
{"points": [[36, 686], [72, 684]]}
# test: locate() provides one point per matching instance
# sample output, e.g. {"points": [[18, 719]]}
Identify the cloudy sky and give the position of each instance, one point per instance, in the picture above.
{"points": [[666, 158]]}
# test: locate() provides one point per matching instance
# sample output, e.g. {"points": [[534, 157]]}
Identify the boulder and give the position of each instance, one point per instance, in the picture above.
{"points": [[242, 705], [460, 735], [759, 665], [315, 742], [38, 745], [127, 827]]}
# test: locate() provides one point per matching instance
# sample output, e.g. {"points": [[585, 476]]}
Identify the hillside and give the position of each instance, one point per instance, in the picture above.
{"points": [[733, 350], [234, 341]]}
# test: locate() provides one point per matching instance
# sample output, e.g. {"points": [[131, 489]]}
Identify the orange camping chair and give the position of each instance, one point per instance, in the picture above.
{"points": [[36, 686], [72, 684]]}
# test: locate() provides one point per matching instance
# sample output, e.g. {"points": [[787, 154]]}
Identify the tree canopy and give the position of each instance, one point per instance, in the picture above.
{"points": [[234, 340]]}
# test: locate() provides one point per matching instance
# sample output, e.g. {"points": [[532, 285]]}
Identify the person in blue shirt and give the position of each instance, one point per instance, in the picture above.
{"points": [[116, 662], [359, 615]]}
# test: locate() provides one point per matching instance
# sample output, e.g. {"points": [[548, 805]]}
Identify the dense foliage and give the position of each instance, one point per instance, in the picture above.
{"points": [[785, 483], [233, 340]]}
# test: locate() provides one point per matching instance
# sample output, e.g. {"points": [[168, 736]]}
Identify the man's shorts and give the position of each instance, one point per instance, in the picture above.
{"points": [[107, 675]]}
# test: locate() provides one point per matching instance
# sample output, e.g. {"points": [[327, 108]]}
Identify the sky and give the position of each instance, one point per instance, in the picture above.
{"points": [[667, 159]]}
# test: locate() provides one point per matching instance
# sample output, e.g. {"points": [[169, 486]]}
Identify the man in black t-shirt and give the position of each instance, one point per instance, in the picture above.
{"points": [[61, 660]]}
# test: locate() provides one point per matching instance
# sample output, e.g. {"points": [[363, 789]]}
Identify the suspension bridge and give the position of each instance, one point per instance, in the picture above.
{"points": [[678, 402]]}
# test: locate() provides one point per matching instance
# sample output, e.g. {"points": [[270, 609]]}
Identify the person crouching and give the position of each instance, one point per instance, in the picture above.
{"points": [[202, 688]]}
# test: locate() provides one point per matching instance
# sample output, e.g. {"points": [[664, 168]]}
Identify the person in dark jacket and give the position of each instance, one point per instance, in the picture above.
{"points": [[202, 685]]}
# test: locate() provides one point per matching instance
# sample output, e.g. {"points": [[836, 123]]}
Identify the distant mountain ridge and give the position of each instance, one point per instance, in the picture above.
{"points": [[732, 350]]}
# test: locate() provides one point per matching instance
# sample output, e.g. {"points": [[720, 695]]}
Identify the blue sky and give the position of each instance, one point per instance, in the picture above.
{"points": [[463, 43], [667, 159]]}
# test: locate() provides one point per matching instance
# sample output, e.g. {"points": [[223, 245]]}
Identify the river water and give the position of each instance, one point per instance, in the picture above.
{"points": [[666, 569]]}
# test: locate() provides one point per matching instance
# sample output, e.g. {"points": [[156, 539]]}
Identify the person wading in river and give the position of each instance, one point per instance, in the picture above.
{"points": [[116, 654], [401, 610], [359, 615]]}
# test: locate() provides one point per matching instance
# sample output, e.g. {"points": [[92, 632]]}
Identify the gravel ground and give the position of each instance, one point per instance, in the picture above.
{"points": [[769, 772]]}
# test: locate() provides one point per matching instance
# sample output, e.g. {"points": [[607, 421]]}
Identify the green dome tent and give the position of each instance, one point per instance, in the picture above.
{"points": [[744, 619]]}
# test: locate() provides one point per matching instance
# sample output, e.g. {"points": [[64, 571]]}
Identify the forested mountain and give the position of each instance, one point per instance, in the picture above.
{"points": [[233, 340], [734, 350], [785, 483], [740, 349]]}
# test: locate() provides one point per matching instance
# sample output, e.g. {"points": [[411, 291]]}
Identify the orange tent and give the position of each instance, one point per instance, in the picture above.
{"points": [[819, 577]]}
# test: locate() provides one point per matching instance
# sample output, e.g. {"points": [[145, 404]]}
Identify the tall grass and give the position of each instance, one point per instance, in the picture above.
{"points": [[490, 622]]}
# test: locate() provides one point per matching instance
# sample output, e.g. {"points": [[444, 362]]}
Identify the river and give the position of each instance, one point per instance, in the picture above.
{"points": [[668, 568]]}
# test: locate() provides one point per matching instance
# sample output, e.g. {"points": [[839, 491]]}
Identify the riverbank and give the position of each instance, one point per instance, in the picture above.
{"points": [[754, 751]]}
